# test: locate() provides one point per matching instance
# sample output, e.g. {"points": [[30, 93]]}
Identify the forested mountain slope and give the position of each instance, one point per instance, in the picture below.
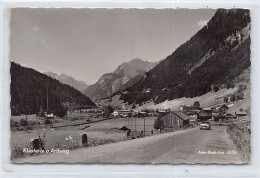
{"points": [[215, 55], [30, 91]]}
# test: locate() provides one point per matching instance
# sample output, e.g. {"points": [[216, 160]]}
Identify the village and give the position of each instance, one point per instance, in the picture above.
{"points": [[112, 105], [106, 124]]}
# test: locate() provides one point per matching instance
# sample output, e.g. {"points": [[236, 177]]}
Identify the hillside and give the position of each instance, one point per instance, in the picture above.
{"points": [[215, 55], [29, 92], [66, 79], [110, 83]]}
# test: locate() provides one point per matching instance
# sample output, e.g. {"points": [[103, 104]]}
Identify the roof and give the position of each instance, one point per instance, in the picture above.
{"points": [[179, 114], [207, 109], [241, 113], [203, 114]]}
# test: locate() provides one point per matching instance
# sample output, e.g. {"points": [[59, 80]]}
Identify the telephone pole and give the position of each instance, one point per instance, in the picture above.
{"points": [[47, 95], [135, 123], [144, 126]]}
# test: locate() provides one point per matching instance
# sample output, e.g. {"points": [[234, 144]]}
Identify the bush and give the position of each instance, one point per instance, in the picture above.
{"points": [[14, 123], [240, 88], [47, 121], [215, 88], [158, 124], [240, 96], [32, 123], [232, 98], [196, 105], [61, 111], [230, 85], [23, 122]]}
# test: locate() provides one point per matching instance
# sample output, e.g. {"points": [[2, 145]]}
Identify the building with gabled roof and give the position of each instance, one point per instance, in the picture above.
{"points": [[174, 120]]}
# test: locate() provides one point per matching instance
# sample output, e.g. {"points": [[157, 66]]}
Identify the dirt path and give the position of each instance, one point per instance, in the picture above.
{"points": [[187, 146]]}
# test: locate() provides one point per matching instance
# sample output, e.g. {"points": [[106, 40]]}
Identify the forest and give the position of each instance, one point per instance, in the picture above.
{"points": [[32, 92]]}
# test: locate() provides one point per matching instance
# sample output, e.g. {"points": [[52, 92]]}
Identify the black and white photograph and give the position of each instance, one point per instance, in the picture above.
{"points": [[130, 86]]}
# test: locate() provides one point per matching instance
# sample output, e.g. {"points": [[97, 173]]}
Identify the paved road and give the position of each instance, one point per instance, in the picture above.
{"points": [[187, 146]]}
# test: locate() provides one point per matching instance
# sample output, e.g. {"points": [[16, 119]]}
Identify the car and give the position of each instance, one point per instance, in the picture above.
{"points": [[205, 126]]}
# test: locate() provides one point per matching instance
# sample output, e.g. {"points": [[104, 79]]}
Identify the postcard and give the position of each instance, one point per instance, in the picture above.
{"points": [[139, 86]]}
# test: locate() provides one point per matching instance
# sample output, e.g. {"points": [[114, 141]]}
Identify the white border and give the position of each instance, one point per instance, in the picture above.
{"points": [[67, 170]]}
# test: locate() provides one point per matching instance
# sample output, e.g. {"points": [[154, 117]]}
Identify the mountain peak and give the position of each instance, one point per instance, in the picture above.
{"points": [[112, 82], [51, 74], [69, 80], [133, 67], [136, 60]]}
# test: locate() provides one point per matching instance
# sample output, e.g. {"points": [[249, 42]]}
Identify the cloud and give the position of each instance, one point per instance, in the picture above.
{"points": [[35, 28], [202, 23]]}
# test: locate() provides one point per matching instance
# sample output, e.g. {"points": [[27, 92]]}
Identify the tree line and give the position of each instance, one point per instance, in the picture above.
{"points": [[32, 92]]}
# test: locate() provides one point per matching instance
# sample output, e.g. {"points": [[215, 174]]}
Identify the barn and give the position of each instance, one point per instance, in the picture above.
{"points": [[205, 114], [174, 120]]}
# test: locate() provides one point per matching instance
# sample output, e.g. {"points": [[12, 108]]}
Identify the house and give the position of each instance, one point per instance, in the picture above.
{"points": [[192, 114], [180, 108], [174, 120], [185, 108], [207, 110], [241, 114], [163, 111], [50, 116], [228, 115], [148, 90], [223, 108], [123, 112], [98, 110], [115, 113], [205, 114]]}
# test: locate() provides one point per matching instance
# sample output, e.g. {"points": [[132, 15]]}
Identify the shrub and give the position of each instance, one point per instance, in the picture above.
{"points": [[240, 96], [232, 98], [14, 123], [240, 88], [215, 88], [18, 151], [196, 105], [42, 141], [158, 124], [32, 123], [225, 99], [47, 121], [24, 122], [230, 85]]}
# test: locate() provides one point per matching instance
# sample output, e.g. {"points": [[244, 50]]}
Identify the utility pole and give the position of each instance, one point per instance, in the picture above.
{"points": [[47, 96], [144, 126], [135, 123], [131, 122]]}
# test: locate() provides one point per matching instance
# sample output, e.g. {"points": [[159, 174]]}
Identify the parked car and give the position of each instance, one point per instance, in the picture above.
{"points": [[205, 126]]}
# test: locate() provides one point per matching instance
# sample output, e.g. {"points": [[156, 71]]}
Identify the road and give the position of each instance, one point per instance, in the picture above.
{"points": [[189, 146]]}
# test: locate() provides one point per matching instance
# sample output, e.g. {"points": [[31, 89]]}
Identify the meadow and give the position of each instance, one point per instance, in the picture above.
{"points": [[98, 133]]}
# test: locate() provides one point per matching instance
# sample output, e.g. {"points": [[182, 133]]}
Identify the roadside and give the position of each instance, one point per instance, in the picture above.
{"points": [[186, 146], [240, 133]]}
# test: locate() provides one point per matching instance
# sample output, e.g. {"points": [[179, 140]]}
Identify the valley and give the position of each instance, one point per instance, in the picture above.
{"points": [[143, 112]]}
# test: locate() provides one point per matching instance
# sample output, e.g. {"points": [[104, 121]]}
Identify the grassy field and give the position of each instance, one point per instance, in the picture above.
{"points": [[29, 117], [102, 132], [205, 100]]}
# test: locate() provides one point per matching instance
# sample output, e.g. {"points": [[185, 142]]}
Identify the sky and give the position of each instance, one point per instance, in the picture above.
{"points": [[86, 43]]}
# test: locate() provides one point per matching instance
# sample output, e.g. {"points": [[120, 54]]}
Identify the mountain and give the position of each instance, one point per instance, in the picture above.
{"points": [[29, 89], [110, 83], [215, 55], [63, 78]]}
